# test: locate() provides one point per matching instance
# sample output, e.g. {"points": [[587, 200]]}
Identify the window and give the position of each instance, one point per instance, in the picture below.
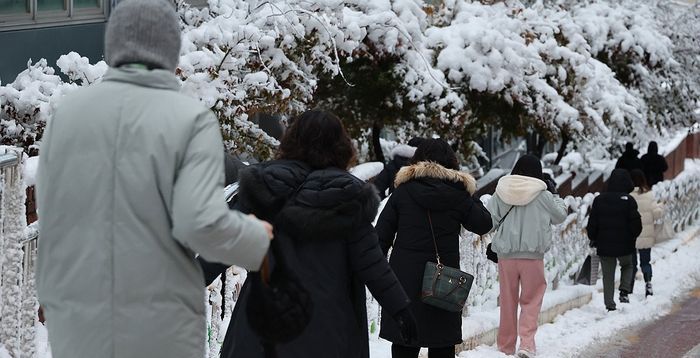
{"points": [[19, 14]]}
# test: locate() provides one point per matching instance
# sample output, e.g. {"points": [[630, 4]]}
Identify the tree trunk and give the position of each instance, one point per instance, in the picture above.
{"points": [[541, 141], [562, 148], [535, 144], [376, 144]]}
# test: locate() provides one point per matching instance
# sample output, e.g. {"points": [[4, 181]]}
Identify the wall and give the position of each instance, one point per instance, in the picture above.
{"points": [[19, 46]]}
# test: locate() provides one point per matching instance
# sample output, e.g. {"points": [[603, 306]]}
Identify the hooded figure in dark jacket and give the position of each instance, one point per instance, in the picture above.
{"points": [[614, 224], [432, 184], [629, 159], [400, 157], [312, 199], [654, 165]]}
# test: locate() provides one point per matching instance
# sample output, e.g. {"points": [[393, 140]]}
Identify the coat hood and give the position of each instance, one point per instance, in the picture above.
{"points": [[630, 153], [435, 187], [519, 190], [620, 181], [265, 188], [160, 79], [402, 150], [327, 203], [435, 171]]}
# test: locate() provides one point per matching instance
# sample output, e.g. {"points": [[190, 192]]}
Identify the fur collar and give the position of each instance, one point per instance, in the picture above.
{"points": [[436, 171]]}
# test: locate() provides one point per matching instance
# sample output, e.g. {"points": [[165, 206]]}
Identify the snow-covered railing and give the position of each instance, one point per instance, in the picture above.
{"points": [[679, 196], [569, 249], [18, 303]]}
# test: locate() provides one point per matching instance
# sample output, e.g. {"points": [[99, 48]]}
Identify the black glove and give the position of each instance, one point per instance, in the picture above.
{"points": [[407, 325], [551, 185], [592, 244], [490, 254]]}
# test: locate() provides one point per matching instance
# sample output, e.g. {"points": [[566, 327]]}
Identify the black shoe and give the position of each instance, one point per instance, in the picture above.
{"points": [[624, 298], [610, 309], [649, 290]]}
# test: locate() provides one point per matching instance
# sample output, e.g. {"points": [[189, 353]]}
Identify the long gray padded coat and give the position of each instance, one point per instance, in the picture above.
{"points": [[130, 185]]}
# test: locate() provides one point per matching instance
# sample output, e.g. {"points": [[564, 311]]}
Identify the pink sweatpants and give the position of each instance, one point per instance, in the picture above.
{"points": [[522, 282]]}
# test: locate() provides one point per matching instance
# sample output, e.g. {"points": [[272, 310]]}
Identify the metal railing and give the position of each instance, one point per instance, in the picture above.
{"points": [[17, 252]]}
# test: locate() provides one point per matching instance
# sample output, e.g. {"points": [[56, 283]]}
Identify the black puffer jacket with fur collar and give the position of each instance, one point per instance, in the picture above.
{"points": [[403, 224], [328, 213]]}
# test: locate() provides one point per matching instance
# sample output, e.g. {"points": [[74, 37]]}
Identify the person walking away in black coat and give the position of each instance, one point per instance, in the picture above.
{"points": [[629, 159], [400, 157], [328, 213], [653, 164], [614, 224], [431, 185]]}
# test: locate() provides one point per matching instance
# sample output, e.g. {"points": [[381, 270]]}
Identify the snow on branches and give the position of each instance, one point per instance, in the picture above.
{"points": [[28, 102], [591, 72]]}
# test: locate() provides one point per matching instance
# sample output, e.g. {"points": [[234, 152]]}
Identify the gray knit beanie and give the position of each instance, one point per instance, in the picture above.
{"points": [[145, 32]]}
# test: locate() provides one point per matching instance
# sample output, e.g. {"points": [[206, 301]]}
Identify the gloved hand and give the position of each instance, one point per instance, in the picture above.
{"points": [[551, 185], [592, 243], [490, 254], [407, 325]]}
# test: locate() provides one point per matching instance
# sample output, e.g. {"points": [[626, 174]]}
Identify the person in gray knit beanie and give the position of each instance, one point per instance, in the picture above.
{"points": [[143, 32]]}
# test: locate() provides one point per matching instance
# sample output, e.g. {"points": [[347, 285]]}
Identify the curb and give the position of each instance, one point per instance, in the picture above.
{"points": [[546, 316]]}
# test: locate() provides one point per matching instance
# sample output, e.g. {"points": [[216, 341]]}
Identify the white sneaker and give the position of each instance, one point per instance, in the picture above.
{"points": [[525, 354]]}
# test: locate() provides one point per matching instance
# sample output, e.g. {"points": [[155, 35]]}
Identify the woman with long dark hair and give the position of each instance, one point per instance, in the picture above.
{"points": [[324, 217], [431, 189], [523, 208], [650, 211]]}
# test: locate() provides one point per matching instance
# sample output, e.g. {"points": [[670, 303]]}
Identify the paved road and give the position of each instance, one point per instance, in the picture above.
{"points": [[676, 335]]}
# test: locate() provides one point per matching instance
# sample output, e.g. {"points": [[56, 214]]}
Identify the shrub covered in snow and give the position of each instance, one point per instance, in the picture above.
{"points": [[583, 73]]}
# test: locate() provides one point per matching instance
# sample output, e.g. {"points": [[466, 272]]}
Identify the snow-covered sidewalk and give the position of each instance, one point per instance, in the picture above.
{"points": [[676, 274], [576, 330]]}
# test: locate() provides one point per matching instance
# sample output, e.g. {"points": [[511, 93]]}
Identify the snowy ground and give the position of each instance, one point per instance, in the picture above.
{"points": [[574, 332]]}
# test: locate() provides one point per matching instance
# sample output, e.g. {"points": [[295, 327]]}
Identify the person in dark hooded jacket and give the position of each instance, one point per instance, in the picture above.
{"points": [[431, 184], [629, 159], [400, 157], [309, 195], [653, 165], [614, 224]]}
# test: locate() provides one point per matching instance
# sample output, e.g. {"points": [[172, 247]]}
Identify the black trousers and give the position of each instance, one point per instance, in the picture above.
{"points": [[398, 351]]}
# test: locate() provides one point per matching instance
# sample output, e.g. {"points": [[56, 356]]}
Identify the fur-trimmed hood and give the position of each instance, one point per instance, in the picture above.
{"points": [[327, 203], [435, 187], [435, 171]]}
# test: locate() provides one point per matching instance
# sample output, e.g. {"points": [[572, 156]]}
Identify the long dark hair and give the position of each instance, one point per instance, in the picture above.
{"points": [[319, 139], [437, 151], [640, 180]]}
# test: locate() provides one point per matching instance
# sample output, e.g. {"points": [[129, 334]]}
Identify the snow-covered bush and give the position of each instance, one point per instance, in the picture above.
{"points": [[586, 73], [28, 102]]}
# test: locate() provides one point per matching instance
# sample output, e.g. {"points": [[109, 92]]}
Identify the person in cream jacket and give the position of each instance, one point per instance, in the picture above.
{"points": [[650, 211]]}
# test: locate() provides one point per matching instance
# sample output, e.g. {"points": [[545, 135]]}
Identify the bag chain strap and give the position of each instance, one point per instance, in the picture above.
{"points": [[437, 254]]}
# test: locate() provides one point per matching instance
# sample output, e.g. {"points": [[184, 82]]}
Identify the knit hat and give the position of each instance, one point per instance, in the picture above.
{"points": [[145, 32], [528, 165]]}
